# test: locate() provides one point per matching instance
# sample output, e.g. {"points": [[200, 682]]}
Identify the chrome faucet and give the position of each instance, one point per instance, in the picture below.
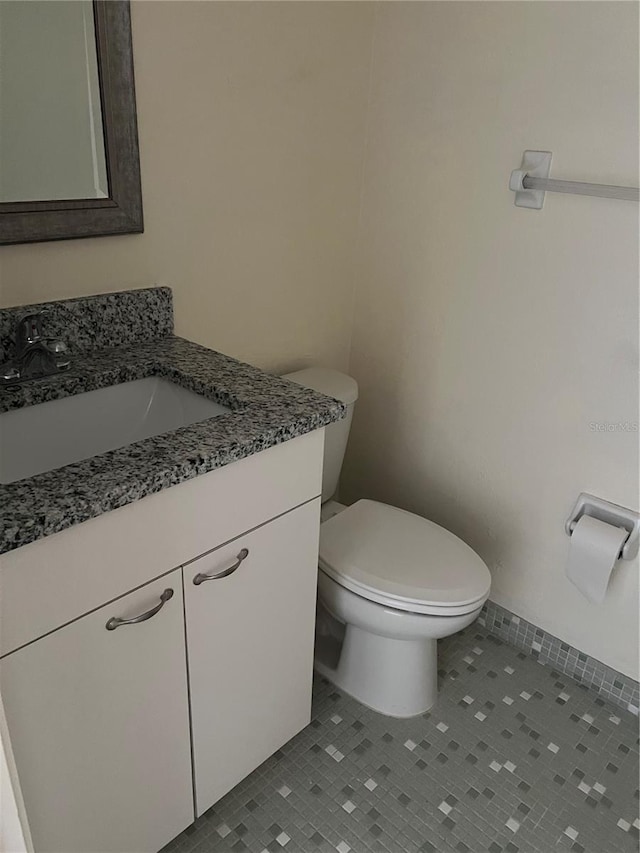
{"points": [[35, 356]]}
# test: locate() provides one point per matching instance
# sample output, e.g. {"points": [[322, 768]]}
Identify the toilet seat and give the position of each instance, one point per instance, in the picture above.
{"points": [[401, 560]]}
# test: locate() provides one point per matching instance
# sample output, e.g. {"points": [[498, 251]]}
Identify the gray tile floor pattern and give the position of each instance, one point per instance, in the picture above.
{"points": [[515, 757]]}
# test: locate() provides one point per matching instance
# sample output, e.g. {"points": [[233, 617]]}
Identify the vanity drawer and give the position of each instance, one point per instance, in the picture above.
{"points": [[54, 580]]}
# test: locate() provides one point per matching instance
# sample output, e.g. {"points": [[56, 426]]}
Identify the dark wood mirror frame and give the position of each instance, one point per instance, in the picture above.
{"points": [[121, 213]]}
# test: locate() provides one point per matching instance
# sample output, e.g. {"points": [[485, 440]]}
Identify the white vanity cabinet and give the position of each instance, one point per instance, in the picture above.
{"points": [[114, 730], [99, 724], [250, 635]]}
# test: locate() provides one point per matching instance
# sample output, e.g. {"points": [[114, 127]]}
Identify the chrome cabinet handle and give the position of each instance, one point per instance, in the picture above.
{"points": [[116, 622], [200, 578]]}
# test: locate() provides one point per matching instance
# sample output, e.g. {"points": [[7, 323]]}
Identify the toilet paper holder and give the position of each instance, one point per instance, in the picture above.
{"points": [[618, 516]]}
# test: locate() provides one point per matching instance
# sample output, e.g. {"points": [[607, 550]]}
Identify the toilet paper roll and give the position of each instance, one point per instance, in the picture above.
{"points": [[593, 552]]}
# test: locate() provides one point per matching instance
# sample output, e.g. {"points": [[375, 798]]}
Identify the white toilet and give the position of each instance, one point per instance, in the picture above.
{"points": [[390, 584]]}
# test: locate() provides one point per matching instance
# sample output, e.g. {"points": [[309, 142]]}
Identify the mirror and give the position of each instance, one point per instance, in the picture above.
{"points": [[69, 163], [51, 137]]}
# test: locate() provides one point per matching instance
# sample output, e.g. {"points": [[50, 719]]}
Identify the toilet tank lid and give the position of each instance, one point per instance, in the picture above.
{"points": [[327, 381]]}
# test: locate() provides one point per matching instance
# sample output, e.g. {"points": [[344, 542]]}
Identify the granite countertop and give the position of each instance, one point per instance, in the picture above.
{"points": [[265, 411]]}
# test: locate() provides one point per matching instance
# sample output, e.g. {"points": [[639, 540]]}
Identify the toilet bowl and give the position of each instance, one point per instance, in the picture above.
{"points": [[390, 584], [397, 583], [388, 659]]}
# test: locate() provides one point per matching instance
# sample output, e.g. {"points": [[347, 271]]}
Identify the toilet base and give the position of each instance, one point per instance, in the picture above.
{"points": [[398, 678]]}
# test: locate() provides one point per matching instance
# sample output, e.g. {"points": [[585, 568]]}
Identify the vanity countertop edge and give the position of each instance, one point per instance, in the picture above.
{"points": [[265, 410]]}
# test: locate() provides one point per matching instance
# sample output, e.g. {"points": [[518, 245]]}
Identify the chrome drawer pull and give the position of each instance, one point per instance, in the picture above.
{"points": [[116, 622], [200, 578]]}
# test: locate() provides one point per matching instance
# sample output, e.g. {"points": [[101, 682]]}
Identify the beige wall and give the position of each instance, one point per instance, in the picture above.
{"points": [[251, 121], [487, 337]]}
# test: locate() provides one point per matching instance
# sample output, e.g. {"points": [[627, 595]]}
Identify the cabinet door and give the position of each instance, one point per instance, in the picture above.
{"points": [[99, 725], [250, 648]]}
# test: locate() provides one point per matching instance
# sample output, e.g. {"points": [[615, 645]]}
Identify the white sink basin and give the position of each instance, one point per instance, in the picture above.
{"points": [[47, 436]]}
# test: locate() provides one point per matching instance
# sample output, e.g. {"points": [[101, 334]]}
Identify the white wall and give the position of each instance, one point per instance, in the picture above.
{"points": [[488, 338], [251, 122]]}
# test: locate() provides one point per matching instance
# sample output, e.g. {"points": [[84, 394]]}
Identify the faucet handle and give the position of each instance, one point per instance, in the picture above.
{"points": [[29, 330]]}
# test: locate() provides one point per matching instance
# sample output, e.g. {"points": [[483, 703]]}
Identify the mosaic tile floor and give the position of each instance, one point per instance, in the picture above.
{"points": [[515, 757]]}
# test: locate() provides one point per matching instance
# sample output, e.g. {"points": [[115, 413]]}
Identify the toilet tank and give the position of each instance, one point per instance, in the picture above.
{"points": [[343, 388]]}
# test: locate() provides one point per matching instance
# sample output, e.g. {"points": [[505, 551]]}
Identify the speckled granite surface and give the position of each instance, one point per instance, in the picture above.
{"points": [[96, 322], [265, 411]]}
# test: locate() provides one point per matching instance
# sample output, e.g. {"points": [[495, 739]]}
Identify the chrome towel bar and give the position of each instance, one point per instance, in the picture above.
{"points": [[531, 181]]}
